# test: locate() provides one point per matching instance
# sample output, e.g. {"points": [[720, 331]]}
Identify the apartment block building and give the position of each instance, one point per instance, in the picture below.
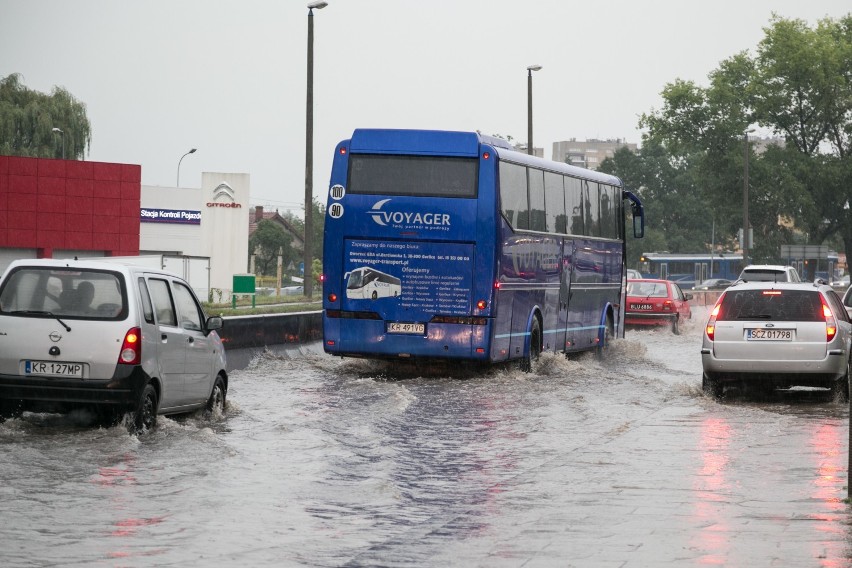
{"points": [[588, 153]]}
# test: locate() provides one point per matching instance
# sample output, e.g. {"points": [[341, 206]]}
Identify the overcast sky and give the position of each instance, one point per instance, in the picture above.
{"points": [[159, 77]]}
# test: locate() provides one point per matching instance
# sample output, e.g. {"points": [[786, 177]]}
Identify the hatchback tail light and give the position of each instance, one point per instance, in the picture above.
{"points": [[830, 323], [710, 330], [131, 348]]}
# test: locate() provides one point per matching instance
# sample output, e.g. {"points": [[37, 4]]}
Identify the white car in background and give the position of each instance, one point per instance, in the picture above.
{"points": [[769, 273]]}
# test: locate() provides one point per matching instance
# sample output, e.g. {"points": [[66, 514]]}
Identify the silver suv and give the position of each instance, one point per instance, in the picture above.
{"points": [[784, 334], [769, 273], [109, 337]]}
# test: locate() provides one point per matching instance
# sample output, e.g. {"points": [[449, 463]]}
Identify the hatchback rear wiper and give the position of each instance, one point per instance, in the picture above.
{"points": [[43, 313]]}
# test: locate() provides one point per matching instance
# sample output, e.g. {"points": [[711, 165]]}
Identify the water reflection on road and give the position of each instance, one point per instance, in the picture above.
{"points": [[327, 462]]}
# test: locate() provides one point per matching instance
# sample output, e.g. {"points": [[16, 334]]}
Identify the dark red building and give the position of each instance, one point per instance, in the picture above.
{"points": [[53, 208]]}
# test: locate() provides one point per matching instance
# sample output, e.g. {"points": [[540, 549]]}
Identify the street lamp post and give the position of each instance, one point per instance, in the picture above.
{"points": [[191, 151], [61, 133], [746, 243], [307, 285], [530, 69]]}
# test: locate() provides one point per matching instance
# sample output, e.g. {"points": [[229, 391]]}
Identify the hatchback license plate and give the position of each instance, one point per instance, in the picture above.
{"points": [[641, 307], [52, 368], [769, 334], [412, 328]]}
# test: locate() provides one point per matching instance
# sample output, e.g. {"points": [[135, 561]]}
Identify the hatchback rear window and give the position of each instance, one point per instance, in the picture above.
{"points": [[648, 289], [776, 305], [37, 291]]}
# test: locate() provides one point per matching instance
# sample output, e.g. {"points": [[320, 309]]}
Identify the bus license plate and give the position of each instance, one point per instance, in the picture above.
{"points": [[412, 328], [769, 334], [641, 307], [52, 368]]}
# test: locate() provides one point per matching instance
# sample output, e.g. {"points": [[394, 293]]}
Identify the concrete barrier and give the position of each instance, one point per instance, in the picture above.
{"points": [[245, 337], [241, 332], [703, 298]]}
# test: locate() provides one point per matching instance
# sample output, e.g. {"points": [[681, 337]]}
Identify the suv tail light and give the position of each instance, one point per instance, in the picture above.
{"points": [[131, 348], [830, 324], [710, 330]]}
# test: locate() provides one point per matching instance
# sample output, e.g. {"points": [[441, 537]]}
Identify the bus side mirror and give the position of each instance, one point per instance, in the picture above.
{"points": [[638, 224], [638, 213], [638, 219]]}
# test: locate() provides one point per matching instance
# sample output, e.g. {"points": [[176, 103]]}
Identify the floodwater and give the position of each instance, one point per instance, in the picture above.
{"points": [[327, 462]]}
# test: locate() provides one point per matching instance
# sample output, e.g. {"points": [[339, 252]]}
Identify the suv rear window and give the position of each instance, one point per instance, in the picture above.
{"points": [[764, 276], [776, 305], [39, 291]]}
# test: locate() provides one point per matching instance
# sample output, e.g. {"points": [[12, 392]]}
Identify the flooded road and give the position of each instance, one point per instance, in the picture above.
{"points": [[328, 462]]}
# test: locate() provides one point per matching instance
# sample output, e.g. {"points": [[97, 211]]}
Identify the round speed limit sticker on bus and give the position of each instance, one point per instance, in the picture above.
{"points": [[337, 192], [335, 210]]}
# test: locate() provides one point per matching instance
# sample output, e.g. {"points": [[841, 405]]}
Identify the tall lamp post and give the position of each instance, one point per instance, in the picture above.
{"points": [[530, 69], [61, 133], [307, 285], [191, 151], [746, 243]]}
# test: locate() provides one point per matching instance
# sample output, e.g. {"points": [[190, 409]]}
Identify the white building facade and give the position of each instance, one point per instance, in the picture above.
{"points": [[206, 228]]}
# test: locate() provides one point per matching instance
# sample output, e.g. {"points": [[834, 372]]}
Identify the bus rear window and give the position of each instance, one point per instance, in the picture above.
{"points": [[419, 176]]}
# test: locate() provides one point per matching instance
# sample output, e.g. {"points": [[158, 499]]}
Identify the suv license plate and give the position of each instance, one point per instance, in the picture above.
{"points": [[52, 368], [769, 334], [412, 328]]}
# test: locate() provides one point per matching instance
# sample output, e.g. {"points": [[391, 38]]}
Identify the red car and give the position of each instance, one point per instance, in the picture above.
{"points": [[656, 302]]}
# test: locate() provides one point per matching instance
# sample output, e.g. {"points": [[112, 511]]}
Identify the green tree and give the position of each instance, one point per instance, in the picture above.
{"points": [[265, 243], [318, 218], [797, 86], [28, 119]]}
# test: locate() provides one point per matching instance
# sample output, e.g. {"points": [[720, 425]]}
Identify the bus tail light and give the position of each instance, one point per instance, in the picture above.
{"points": [[131, 347], [830, 324], [322, 277], [710, 330], [481, 304], [332, 297]]}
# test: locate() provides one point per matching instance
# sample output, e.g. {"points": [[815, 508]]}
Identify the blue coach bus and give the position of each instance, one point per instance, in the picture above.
{"points": [[499, 255]]}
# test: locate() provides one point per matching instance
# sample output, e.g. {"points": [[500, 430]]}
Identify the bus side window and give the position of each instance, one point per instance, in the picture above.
{"points": [[513, 195], [574, 205], [554, 203], [592, 209], [609, 218], [538, 220]]}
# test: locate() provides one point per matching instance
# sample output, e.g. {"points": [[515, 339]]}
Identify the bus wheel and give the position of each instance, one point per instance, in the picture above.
{"points": [[609, 333], [535, 347]]}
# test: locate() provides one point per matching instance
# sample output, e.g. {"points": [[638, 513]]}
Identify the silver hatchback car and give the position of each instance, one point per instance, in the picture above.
{"points": [[777, 335], [109, 337]]}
